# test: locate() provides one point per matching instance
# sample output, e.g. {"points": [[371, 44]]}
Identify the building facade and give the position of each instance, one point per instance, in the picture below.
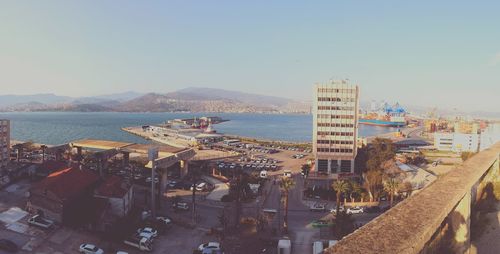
{"points": [[4, 142], [489, 136], [456, 142], [335, 126]]}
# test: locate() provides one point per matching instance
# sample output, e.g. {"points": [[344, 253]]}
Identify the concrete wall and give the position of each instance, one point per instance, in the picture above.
{"points": [[438, 219]]}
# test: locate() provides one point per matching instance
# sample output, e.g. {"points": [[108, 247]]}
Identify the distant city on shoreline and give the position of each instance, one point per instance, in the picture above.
{"points": [[193, 100]]}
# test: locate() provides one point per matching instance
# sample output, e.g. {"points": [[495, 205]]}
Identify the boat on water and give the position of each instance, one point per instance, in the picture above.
{"points": [[385, 115]]}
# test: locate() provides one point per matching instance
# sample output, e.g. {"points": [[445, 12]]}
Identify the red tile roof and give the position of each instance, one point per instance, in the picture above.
{"points": [[67, 182], [113, 187], [50, 166]]}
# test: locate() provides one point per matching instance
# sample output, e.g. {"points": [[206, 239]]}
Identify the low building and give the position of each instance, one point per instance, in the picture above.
{"points": [[417, 177], [65, 196], [118, 194], [456, 142], [490, 135]]}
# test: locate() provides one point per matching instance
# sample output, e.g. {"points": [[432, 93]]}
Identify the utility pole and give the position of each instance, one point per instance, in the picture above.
{"points": [[152, 156], [279, 212]]}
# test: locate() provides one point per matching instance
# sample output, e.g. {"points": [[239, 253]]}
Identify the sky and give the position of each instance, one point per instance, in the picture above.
{"points": [[429, 53]]}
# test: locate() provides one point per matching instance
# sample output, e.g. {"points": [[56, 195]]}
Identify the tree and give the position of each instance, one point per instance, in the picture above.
{"points": [[286, 184], [391, 186], [339, 186], [239, 189], [355, 189], [380, 151], [343, 224], [373, 183], [407, 187]]}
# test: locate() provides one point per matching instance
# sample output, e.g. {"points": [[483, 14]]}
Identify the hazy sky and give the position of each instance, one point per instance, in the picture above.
{"points": [[439, 53]]}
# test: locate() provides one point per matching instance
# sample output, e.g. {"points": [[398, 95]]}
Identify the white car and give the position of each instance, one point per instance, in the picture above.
{"points": [[165, 220], [334, 210], [318, 207], [147, 231], [287, 173], [209, 245], [88, 248], [355, 210]]}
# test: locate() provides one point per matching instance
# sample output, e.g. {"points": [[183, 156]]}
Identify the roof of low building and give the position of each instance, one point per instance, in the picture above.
{"points": [[66, 183], [50, 166], [113, 187]]}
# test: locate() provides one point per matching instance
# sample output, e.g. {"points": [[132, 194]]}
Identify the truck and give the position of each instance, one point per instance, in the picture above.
{"points": [[141, 243], [39, 221]]}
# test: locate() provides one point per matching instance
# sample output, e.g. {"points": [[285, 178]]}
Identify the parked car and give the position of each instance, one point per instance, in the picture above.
{"points": [[263, 174], [8, 245], [201, 186], [148, 180], [287, 173], [321, 223], [88, 248], [334, 210], [39, 221], [209, 245], [147, 232], [172, 184], [181, 206], [317, 207], [355, 210], [164, 220]]}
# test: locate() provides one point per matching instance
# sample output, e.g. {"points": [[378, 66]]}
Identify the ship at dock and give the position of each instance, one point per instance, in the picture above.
{"points": [[384, 115]]}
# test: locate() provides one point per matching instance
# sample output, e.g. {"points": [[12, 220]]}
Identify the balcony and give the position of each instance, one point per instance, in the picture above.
{"points": [[438, 219]]}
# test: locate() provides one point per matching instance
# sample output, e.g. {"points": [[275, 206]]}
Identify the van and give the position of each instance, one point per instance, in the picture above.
{"points": [[263, 174], [317, 247]]}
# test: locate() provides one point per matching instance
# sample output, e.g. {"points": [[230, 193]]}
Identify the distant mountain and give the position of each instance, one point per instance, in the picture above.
{"points": [[189, 99], [10, 100], [220, 94], [125, 96]]}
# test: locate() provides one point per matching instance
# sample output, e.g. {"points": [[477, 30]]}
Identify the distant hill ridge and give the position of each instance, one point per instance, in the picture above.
{"points": [[192, 99]]}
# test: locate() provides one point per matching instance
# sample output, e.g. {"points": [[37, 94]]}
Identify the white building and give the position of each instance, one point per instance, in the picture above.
{"points": [[490, 136], [4, 142], [335, 126], [456, 142]]}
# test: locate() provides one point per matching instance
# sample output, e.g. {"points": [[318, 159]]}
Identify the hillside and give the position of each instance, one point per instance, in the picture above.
{"points": [[186, 100]]}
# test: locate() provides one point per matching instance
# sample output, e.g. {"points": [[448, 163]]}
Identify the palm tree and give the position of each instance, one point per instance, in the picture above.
{"points": [[391, 186], [239, 188], [355, 188], [43, 147], [286, 184], [340, 186]]}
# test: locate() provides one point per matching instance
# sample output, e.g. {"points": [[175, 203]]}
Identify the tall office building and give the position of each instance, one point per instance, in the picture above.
{"points": [[4, 142], [335, 131]]}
